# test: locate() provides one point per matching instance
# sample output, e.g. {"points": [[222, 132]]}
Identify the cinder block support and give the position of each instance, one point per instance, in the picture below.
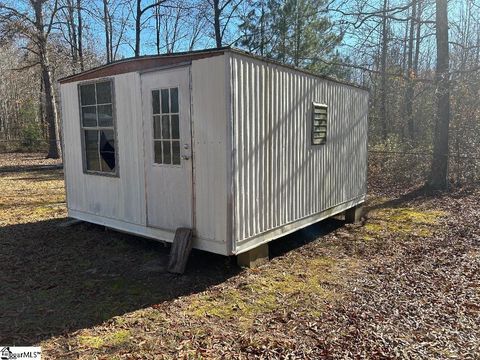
{"points": [[354, 214], [253, 258]]}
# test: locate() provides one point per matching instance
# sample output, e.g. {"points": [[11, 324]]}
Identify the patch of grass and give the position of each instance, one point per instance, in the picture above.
{"points": [[116, 338], [92, 342], [402, 222], [303, 287], [25, 199]]}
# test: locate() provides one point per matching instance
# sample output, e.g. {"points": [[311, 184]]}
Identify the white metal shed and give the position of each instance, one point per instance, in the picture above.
{"points": [[241, 149]]}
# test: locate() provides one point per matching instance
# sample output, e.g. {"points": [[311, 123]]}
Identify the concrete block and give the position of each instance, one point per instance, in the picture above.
{"points": [[254, 257], [354, 214]]}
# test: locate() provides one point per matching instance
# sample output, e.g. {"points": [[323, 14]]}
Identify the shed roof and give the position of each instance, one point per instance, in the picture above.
{"points": [[141, 63], [148, 62]]}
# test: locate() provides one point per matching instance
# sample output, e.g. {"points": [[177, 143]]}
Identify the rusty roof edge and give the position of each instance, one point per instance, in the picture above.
{"points": [[72, 77], [143, 57]]}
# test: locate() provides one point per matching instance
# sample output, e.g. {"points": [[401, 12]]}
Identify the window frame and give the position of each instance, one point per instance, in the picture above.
{"points": [[312, 120], [152, 144], [115, 173]]}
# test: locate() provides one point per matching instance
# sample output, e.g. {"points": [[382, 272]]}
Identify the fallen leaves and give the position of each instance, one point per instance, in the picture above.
{"points": [[404, 285]]}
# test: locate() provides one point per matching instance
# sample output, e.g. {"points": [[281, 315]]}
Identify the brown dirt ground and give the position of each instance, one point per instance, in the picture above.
{"points": [[403, 284]]}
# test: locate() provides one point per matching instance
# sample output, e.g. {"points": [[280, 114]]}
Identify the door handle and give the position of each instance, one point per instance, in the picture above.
{"points": [[185, 157]]}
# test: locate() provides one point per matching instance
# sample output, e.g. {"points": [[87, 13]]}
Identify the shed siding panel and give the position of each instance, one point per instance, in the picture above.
{"points": [[279, 177], [121, 198], [209, 122]]}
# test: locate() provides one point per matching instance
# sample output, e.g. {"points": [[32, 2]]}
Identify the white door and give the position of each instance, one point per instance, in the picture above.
{"points": [[167, 136]]}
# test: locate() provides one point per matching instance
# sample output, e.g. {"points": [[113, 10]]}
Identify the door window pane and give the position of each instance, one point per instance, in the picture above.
{"points": [[175, 127], [174, 99], [165, 101], [89, 116], [104, 92], [157, 129], [156, 102], [165, 127], [167, 155], [158, 152], [105, 116], [176, 152]]}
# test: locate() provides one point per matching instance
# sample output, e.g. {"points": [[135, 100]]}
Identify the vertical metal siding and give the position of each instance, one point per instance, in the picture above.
{"points": [[279, 177]]}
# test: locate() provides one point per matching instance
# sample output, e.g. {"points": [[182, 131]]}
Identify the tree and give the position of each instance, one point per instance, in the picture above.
{"points": [[293, 32], [439, 168], [34, 24], [220, 16], [140, 11]]}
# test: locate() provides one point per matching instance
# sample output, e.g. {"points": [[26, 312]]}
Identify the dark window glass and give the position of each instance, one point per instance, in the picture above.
{"points": [[176, 152], [107, 150], [174, 100], [158, 152], [165, 127], [105, 117], [156, 102], [89, 116], [91, 150], [165, 102], [157, 129], [175, 127], [104, 92], [167, 154], [87, 94], [98, 126]]}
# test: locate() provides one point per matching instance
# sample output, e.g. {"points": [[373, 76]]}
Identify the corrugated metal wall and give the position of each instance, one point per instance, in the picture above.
{"points": [[278, 177]]}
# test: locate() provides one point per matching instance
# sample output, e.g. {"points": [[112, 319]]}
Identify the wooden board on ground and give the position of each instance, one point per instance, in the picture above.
{"points": [[181, 247]]}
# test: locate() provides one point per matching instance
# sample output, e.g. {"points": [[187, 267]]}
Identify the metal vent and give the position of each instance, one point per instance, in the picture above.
{"points": [[319, 124]]}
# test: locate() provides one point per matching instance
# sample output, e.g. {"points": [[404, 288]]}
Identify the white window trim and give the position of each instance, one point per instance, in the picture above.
{"points": [[115, 173]]}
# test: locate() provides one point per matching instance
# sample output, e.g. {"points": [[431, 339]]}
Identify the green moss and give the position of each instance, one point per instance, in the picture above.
{"points": [[116, 338], [269, 290], [402, 222], [93, 342]]}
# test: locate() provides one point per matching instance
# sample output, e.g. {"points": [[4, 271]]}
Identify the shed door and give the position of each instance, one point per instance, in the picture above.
{"points": [[167, 136]]}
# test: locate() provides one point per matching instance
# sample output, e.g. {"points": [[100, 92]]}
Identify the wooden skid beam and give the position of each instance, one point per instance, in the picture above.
{"points": [[181, 248]]}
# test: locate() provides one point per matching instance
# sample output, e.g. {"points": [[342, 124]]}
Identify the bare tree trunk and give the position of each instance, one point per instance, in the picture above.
{"points": [[409, 93], [216, 23], [107, 30], [417, 37], [54, 149], [383, 70], [79, 31], [138, 19], [157, 28], [439, 169]]}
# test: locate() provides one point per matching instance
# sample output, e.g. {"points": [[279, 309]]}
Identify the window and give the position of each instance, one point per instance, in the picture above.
{"points": [[166, 126], [98, 129], [319, 124]]}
